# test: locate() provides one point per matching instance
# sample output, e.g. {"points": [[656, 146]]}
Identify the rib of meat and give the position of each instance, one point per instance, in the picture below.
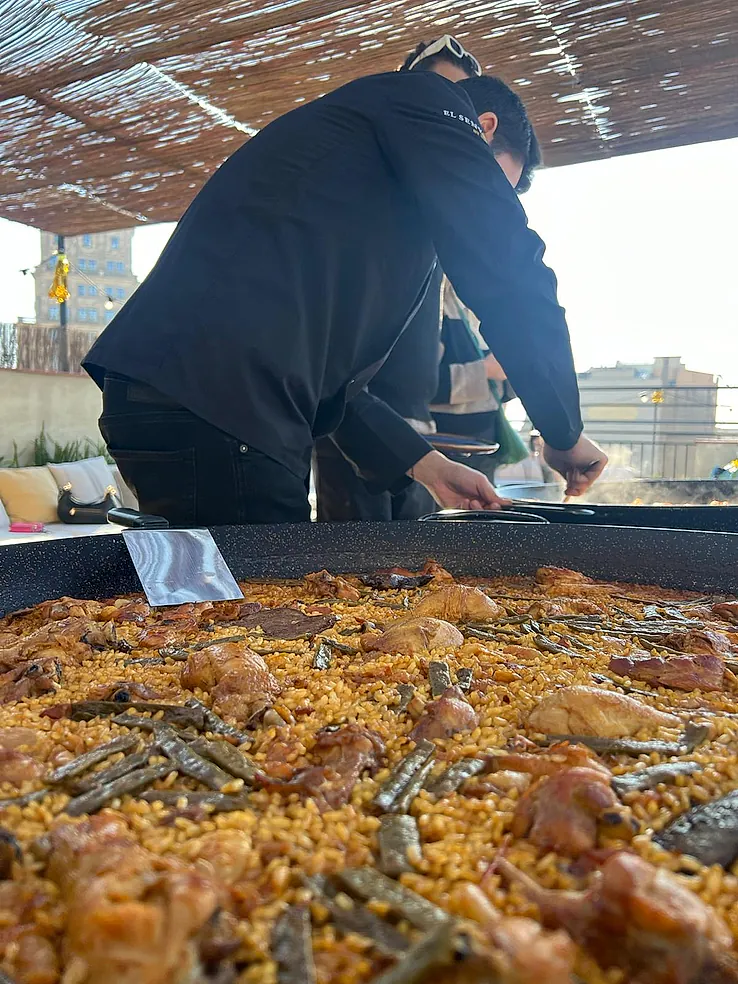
{"points": [[286, 623], [16, 767], [591, 711], [448, 715], [703, 671], [237, 678], [566, 811], [133, 916], [699, 642], [326, 585], [31, 678], [637, 917], [457, 603], [727, 610], [523, 951], [342, 756], [414, 636]]}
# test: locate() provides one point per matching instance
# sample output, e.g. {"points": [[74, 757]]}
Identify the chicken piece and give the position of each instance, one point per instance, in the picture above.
{"points": [[63, 639], [237, 678], [102, 637], [636, 917], [31, 678], [558, 582], [431, 569], [189, 612], [342, 756], [547, 761], [701, 643], [17, 737], [440, 574], [448, 715], [62, 608], [160, 636], [126, 610], [226, 852], [727, 610], [326, 585], [75, 849], [523, 951], [414, 636], [35, 960], [703, 671], [457, 603], [499, 782], [591, 711], [549, 576], [565, 812], [124, 691], [515, 769], [27, 954], [133, 916], [16, 767], [556, 609]]}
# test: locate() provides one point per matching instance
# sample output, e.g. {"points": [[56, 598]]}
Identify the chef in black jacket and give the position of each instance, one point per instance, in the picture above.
{"points": [[408, 379], [289, 279]]}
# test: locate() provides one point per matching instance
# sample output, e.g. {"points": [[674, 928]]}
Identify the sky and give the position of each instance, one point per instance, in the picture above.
{"points": [[644, 248]]}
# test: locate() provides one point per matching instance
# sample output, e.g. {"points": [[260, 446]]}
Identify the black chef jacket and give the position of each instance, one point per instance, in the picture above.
{"points": [[408, 380], [300, 262]]}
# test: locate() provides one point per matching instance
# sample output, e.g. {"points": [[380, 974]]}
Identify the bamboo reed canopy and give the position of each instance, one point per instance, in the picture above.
{"points": [[114, 112]]}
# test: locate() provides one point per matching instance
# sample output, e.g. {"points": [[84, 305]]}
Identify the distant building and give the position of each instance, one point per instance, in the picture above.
{"points": [[99, 268], [656, 412]]}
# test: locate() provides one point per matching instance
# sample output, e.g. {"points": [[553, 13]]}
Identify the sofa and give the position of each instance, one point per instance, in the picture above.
{"points": [[31, 494]]}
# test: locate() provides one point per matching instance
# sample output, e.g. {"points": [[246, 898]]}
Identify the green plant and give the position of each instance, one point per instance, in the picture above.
{"points": [[13, 462], [45, 450]]}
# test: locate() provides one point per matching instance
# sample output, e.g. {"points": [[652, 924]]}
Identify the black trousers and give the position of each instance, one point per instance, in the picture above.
{"points": [[190, 472], [343, 497]]}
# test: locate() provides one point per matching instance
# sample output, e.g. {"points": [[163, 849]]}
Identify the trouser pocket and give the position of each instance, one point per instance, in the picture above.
{"points": [[164, 481]]}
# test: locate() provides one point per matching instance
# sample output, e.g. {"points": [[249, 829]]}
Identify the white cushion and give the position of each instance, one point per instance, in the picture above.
{"points": [[89, 478], [4, 520]]}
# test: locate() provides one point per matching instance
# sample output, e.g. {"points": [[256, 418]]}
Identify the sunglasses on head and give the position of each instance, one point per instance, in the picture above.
{"points": [[447, 43]]}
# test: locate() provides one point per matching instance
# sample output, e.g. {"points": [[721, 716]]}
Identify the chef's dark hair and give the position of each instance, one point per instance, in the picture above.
{"points": [[514, 132]]}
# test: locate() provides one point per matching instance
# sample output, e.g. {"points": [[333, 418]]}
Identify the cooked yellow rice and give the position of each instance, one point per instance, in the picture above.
{"points": [[459, 834]]}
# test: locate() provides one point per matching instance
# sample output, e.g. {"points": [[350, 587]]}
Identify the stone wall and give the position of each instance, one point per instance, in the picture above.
{"points": [[67, 405]]}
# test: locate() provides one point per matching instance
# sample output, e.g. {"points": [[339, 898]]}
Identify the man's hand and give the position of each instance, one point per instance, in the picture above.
{"points": [[493, 369], [580, 465], [455, 486]]}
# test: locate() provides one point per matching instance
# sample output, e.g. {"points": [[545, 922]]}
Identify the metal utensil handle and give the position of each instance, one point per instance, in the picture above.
{"points": [[483, 516], [132, 519], [559, 508]]}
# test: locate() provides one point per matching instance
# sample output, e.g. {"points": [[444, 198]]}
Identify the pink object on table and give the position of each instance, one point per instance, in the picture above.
{"points": [[26, 527]]}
